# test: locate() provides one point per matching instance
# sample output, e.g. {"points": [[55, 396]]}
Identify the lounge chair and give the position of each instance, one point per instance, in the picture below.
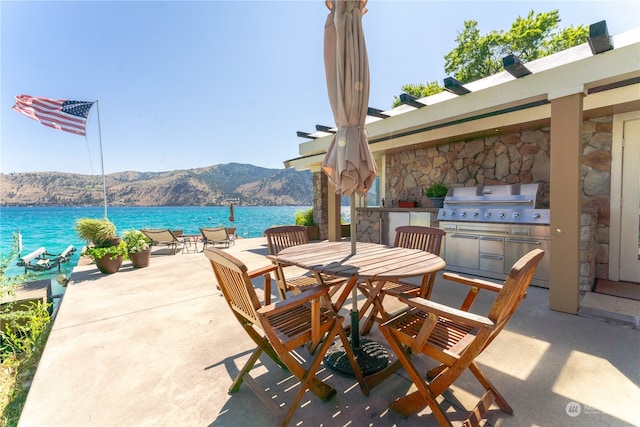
{"points": [[231, 231], [164, 237], [215, 236]]}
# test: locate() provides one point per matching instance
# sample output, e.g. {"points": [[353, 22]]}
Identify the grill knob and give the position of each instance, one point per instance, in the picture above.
{"points": [[487, 214], [476, 214], [535, 215], [515, 215], [501, 214], [463, 214]]}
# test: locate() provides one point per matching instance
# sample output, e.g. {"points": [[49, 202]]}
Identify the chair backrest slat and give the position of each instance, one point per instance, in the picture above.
{"points": [[235, 285], [285, 236], [428, 239]]}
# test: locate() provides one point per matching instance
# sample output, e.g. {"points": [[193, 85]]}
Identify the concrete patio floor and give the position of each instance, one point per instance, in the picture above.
{"points": [[159, 347]]}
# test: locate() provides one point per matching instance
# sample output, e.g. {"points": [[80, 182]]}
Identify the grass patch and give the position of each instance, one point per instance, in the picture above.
{"points": [[16, 375]]}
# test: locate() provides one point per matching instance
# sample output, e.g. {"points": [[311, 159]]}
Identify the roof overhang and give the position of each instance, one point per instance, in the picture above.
{"points": [[501, 103]]}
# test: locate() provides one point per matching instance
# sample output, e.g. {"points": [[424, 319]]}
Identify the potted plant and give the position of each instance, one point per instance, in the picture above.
{"points": [[138, 247], [108, 259], [436, 194], [105, 248], [306, 218]]}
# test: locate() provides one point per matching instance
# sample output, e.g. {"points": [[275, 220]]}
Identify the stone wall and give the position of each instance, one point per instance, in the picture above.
{"points": [[368, 229], [519, 157], [596, 191], [502, 159]]}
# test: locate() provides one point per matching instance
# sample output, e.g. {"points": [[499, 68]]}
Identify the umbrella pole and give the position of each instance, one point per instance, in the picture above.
{"points": [[352, 226], [371, 356], [355, 333]]}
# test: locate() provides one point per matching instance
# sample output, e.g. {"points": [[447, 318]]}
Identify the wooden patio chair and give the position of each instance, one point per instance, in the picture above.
{"points": [[455, 337], [279, 329], [428, 239], [164, 237], [215, 236], [285, 236]]}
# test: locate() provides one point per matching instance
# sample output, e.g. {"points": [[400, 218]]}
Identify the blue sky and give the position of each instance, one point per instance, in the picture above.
{"points": [[191, 84]]}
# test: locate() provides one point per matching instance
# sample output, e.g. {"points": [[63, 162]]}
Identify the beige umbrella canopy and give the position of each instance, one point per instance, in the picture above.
{"points": [[348, 162]]}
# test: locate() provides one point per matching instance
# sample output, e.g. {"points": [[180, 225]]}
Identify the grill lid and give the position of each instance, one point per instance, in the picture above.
{"points": [[513, 203]]}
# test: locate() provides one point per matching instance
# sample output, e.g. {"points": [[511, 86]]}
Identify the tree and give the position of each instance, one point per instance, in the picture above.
{"points": [[478, 56]]}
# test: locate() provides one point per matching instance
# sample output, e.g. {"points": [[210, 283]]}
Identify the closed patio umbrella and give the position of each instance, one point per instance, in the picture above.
{"points": [[348, 163]]}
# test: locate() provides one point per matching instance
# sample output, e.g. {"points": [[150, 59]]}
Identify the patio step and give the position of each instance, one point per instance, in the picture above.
{"points": [[611, 309]]}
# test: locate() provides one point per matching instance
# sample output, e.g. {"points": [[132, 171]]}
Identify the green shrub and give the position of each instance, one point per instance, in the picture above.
{"points": [[304, 217], [98, 231], [113, 251], [136, 241], [23, 326], [22, 337]]}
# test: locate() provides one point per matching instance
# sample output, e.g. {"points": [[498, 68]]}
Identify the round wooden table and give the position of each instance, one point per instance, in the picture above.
{"points": [[371, 264]]}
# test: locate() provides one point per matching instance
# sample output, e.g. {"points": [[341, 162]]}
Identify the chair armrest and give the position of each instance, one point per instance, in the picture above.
{"points": [[309, 294], [261, 271], [482, 284], [446, 311]]}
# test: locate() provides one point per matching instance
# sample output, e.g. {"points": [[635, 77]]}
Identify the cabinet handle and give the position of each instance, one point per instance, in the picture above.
{"points": [[464, 236], [473, 230], [492, 239], [489, 256], [530, 242]]}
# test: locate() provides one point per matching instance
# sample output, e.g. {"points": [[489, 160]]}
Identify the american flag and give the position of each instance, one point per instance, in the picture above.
{"points": [[61, 114]]}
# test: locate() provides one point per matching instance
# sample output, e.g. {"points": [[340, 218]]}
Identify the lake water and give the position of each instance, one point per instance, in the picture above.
{"points": [[53, 227]]}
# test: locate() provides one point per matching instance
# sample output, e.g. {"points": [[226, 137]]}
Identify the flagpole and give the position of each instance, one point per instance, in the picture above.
{"points": [[104, 181]]}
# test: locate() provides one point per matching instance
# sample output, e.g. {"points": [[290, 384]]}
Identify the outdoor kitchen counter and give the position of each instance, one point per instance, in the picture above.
{"points": [[378, 224], [397, 209]]}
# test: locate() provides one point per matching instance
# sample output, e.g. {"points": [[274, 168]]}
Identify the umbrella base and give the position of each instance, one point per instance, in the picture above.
{"points": [[370, 355]]}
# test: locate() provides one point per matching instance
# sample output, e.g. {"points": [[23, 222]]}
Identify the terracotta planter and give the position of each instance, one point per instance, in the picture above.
{"points": [[405, 204], [106, 265], [140, 259]]}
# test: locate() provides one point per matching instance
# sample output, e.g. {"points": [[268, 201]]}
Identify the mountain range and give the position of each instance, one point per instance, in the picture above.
{"points": [[208, 186]]}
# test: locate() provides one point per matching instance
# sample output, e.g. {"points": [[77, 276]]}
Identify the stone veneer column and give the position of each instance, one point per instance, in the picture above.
{"points": [[326, 208], [320, 187]]}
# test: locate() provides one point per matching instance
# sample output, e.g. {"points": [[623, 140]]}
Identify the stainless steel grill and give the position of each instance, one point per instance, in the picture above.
{"points": [[490, 227], [514, 203]]}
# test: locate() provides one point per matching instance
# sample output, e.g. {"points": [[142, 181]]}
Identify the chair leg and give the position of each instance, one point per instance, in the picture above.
{"points": [[237, 382], [499, 399], [412, 403], [308, 377], [357, 372]]}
